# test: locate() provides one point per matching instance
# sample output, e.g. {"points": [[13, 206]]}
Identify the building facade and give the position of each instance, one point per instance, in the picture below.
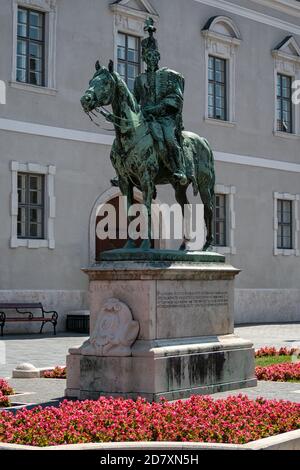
{"points": [[240, 59]]}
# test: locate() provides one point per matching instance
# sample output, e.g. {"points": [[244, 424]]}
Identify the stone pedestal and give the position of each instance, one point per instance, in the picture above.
{"points": [[161, 329]]}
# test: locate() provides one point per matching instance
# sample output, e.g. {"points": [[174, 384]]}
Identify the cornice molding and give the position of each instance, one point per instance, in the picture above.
{"points": [[252, 14], [289, 7]]}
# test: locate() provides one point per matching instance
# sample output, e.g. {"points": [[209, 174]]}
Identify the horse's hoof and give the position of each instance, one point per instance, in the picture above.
{"points": [[146, 245], [207, 247], [130, 245], [182, 246]]}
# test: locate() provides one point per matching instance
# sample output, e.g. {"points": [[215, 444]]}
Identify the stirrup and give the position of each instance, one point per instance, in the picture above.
{"points": [[181, 177]]}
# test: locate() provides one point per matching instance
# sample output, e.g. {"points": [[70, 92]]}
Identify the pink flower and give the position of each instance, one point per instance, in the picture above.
{"points": [[57, 373], [199, 419], [4, 401], [5, 388], [279, 372]]}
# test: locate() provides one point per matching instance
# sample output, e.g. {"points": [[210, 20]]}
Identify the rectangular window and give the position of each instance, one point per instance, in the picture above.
{"points": [[217, 88], [129, 58], [284, 104], [30, 206], [285, 224], [220, 215], [31, 47]]}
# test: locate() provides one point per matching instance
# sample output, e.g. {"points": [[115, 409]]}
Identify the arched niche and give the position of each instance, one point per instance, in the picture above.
{"points": [[111, 196]]}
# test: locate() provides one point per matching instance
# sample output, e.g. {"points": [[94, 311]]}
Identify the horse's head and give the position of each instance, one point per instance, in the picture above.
{"points": [[101, 90]]}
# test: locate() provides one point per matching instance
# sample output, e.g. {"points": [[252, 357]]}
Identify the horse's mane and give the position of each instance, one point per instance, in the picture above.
{"points": [[126, 92]]}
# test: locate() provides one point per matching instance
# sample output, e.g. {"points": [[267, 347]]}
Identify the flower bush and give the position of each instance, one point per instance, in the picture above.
{"points": [[4, 401], [271, 351], [57, 373], [5, 388], [279, 372], [236, 419]]}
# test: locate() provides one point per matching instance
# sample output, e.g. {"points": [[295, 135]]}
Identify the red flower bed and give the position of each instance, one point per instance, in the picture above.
{"points": [[4, 401], [279, 372], [5, 388], [271, 351], [199, 419], [57, 373]]}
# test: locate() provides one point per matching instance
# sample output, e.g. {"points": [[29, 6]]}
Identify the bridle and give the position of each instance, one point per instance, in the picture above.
{"points": [[110, 117]]}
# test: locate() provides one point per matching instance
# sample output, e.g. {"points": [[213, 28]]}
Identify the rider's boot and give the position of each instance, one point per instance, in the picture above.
{"points": [[180, 172]]}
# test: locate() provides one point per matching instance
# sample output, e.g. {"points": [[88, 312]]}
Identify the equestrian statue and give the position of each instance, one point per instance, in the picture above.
{"points": [[151, 148]]}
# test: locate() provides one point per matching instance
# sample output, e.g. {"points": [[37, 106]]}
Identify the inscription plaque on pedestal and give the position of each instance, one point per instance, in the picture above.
{"points": [[190, 309], [191, 299]]}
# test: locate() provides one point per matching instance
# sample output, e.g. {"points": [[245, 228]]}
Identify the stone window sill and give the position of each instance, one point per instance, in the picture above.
{"points": [[33, 88], [220, 122], [283, 252], [32, 244], [286, 135]]}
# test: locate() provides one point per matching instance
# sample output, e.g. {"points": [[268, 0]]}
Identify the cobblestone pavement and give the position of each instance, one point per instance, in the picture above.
{"points": [[47, 351], [51, 391], [38, 391], [283, 334], [269, 390], [39, 350]]}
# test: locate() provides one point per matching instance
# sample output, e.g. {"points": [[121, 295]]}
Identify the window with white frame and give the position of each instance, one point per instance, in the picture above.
{"points": [[224, 219], [128, 27], [220, 220], [129, 58], [222, 39], [31, 47], [217, 88], [286, 70], [31, 200], [34, 45], [284, 103], [286, 224], [32, 205]]}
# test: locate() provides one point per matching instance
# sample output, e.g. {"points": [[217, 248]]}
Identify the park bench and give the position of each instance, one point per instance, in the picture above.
{"points": [[25, 310]]}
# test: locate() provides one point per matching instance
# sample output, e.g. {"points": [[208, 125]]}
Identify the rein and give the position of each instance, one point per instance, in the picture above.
{"points": [[103, 111]]}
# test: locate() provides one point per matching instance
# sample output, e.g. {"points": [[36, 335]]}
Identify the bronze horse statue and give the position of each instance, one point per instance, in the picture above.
{"points": [[136, 157]]}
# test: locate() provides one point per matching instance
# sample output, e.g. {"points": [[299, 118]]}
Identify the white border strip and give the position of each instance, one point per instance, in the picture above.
{"points": [[286, 441], [103, 139], [55, 132], [257, 161], [252, 15]]}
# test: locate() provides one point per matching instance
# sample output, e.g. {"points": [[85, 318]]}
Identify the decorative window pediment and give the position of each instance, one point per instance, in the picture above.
{"points": [[134, 8], [288, 49], [129, 19], [222, 38], [223, 29], [287, 63]]}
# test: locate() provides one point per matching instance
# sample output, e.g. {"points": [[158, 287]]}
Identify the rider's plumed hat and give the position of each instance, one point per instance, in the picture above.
{"points": [[150, 42]]}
